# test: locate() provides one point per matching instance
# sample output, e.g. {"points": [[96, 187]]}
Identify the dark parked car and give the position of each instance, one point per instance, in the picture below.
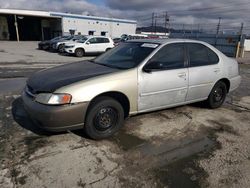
{"points": [[44, 45], [47, 44], [59, 45]]}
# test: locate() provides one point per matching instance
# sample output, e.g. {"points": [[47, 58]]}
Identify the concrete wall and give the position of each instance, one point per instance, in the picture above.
{"points": [[83, 26], [247, 45]]}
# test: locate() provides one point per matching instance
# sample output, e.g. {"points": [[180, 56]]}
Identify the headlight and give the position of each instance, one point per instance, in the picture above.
{"points": [[53, 99]]}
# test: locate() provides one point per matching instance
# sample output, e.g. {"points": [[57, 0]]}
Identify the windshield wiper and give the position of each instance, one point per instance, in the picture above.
{"points": [[111, 66], [106, 65]]}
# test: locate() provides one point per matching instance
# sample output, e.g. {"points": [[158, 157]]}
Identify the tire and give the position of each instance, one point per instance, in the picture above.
{"points": [[104, 117], [79, 52], [44, 48], [107, 49], [217, 96], [61, 48]]}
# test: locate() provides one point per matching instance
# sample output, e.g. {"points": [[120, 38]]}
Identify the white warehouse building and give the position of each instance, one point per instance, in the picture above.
{"points": [[41, 25]]}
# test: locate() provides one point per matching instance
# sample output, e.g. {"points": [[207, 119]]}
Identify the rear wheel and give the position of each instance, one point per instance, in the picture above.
{"points": [[217, 96], [79, 52], [108, 49], [104, 118]]}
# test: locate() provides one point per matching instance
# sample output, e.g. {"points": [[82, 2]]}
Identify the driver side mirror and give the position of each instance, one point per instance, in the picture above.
{"points": [[152, 65], [87, 43]]}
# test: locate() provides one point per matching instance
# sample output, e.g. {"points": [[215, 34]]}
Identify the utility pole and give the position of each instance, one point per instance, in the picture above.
{"points": [[218, 26], [16, 26], [155, 23], [153, 17], [241, 28], [166, 19], [217, 32], [183, 30]]}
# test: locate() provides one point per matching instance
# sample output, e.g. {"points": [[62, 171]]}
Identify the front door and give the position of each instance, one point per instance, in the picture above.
{"points": [[92, 46], [164, 80]]}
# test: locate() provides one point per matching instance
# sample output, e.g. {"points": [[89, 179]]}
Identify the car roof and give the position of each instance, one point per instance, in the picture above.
{"points": [[92, 36], [164, 41]]}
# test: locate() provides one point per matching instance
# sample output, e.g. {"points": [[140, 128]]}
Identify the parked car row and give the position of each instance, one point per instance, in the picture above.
{"points": [[78, 45]]}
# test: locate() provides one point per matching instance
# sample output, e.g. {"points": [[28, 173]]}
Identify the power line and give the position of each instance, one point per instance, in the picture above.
{"points": [[210, 8]]}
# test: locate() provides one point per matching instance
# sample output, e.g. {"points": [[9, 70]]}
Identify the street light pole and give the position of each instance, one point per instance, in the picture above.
{"points": [[16, 25]]}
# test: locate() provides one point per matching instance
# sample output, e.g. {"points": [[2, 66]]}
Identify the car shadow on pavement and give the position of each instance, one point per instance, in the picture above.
{"points": [[85, 55], [21, 118]]}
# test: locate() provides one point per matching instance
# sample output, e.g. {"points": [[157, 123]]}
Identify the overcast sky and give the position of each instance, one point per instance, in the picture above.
{"points": [[203, 12]]}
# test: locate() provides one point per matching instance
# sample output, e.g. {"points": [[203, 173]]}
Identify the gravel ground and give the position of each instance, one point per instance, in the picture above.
{"points": [[187, 146]]}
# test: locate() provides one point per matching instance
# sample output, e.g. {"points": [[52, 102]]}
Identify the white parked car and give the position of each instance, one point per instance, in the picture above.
{"points": [[135, 77], [90, 44]]}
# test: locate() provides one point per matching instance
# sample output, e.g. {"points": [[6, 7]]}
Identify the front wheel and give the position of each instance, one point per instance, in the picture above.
{"points": [[61, 48], [104, 118], [79, 52], [217, 96]]}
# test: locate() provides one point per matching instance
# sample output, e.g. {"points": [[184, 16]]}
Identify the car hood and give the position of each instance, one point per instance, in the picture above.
{"points": [[69, 42], [49, 80], [56, 41], [44, 42]]}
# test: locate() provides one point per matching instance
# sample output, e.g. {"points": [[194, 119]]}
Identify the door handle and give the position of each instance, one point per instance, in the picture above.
{"points": [[216, 70], [182, 75]]}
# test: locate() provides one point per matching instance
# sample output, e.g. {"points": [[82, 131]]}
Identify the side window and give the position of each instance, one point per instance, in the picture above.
{"points": [[93, 41], [106, 40], [102, 40], [200, 55], [169, 57]]}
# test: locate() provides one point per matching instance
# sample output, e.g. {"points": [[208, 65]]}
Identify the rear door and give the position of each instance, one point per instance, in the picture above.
{"points": [[104, 43], [204, 70]]}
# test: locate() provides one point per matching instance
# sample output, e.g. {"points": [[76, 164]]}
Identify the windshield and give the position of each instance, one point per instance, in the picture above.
{"points": [[82, 40], [78, 37], [126, 55], [68, 37], [56, 38]]}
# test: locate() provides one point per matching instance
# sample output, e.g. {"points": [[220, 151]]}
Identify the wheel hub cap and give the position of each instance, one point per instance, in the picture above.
{"points": [[218, 94], [105, 118]]}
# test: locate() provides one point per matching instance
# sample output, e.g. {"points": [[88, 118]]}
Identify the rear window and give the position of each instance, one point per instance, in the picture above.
{"points": [[200, 55]]}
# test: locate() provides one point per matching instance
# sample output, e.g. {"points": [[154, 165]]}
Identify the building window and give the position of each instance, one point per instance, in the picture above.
{"points": [[91, 32], [103, 33]]}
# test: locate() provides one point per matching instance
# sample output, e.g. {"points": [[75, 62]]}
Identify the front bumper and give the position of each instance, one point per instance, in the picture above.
{"points": [[69, 50], [55, 118]]}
